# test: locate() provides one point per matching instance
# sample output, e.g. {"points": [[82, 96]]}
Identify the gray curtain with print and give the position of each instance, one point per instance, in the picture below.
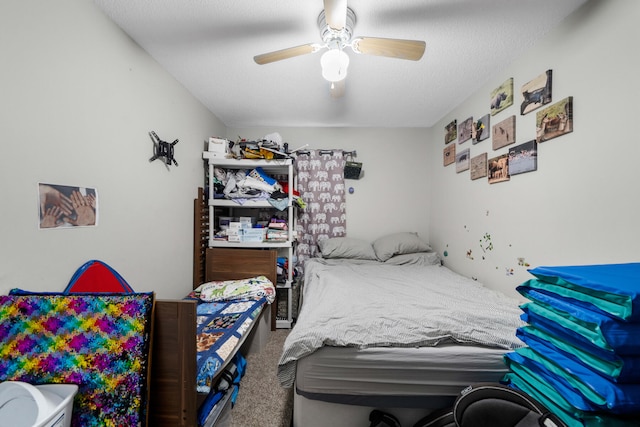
{"points": [[320, 176]]}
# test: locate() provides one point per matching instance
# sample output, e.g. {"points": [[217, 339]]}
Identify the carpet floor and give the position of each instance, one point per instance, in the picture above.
{"points": [[261, 401]]}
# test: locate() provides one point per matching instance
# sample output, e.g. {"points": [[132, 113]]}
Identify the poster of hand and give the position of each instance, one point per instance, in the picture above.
{"points": [[67, 206]]}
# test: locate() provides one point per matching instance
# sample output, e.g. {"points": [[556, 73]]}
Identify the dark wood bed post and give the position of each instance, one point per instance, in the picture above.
{"points": [[200, 236], [173, 393]]}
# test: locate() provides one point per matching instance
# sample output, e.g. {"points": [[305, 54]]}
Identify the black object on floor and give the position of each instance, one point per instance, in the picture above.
{"points": [[382, 419]]}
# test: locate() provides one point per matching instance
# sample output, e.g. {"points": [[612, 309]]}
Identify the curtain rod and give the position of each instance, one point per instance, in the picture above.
{"points": [[330, 152]]}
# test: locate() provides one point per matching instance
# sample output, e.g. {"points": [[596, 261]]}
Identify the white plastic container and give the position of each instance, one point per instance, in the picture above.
{"points": [[25, 405], [218, 146]]}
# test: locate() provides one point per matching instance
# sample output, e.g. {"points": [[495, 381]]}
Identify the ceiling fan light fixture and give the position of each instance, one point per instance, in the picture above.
{"points": [[334, 64]]}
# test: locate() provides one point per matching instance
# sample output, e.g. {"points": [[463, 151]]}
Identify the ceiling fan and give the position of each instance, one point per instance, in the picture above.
{"points": [[336, 23]]}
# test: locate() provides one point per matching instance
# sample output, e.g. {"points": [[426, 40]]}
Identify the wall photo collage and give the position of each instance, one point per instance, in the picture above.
{"points": [[552, 120]]}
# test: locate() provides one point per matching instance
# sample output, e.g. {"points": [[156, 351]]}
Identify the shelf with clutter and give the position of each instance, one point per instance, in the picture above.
{"points": [[252, 204]]}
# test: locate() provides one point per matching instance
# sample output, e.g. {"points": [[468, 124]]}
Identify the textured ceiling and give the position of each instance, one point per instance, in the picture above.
{"points": [[209, 45]]}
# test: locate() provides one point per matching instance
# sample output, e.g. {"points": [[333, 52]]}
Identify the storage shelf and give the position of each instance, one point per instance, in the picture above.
{"points": [[283, 324], [226, 244], [227, 203], [286, 285], [245, 163], [276, 166]]}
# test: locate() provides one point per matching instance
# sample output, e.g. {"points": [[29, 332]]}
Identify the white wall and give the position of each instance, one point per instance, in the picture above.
{"points": [[393, 194], [582, 204], [78, 98]]}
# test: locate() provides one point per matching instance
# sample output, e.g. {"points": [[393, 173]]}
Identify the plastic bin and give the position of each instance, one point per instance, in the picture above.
{"points": [[25, 405]]}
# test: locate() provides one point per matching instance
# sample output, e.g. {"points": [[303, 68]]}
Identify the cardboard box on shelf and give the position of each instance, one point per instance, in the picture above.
{"points": [[224, 221], [252, 234], [246, 220], [234, 238]]}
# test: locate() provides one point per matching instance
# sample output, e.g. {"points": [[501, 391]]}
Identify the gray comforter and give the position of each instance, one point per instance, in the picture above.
{"points": [[368, 305]]}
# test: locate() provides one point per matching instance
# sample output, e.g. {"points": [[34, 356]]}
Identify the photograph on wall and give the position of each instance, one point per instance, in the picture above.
{"points": [[502, 97], [536, 93], [504, 133], [464, 130], [66, 206], [451, 131], [481, 129], [555, 120], [498, 169], [462, 161], [523, 158], [449, 154], [478, 167]]}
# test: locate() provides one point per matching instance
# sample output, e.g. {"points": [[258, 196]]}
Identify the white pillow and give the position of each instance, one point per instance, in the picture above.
{"points": [[398, 244], [346, 247], [418, 258]]}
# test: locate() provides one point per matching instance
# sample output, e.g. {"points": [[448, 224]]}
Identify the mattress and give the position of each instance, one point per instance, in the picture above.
{"points": [[226, 312], [380, 306], [398, 376], [220, 329]]}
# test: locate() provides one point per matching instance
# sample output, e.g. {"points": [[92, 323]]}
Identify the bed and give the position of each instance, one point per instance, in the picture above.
{"points": [[386, 326], [176, 390]]}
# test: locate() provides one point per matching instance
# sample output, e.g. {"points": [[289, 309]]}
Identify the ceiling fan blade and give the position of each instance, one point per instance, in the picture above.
{"points": [[337, 88], [291, 52], [335, 13], [393, 48]]}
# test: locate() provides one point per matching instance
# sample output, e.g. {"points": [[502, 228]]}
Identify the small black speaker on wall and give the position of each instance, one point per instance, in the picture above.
{"points": [[352, 170]]}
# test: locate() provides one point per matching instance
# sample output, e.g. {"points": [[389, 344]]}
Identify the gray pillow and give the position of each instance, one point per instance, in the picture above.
{"points": [[346, 247], [398, 244], [418, 258]]}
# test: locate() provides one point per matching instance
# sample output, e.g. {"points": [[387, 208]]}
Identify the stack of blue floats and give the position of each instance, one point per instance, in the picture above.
{"points": [[581, 357]]}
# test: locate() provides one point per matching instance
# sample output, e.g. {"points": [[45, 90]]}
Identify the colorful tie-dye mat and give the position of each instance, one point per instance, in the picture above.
{"points": [[99, 342]]}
